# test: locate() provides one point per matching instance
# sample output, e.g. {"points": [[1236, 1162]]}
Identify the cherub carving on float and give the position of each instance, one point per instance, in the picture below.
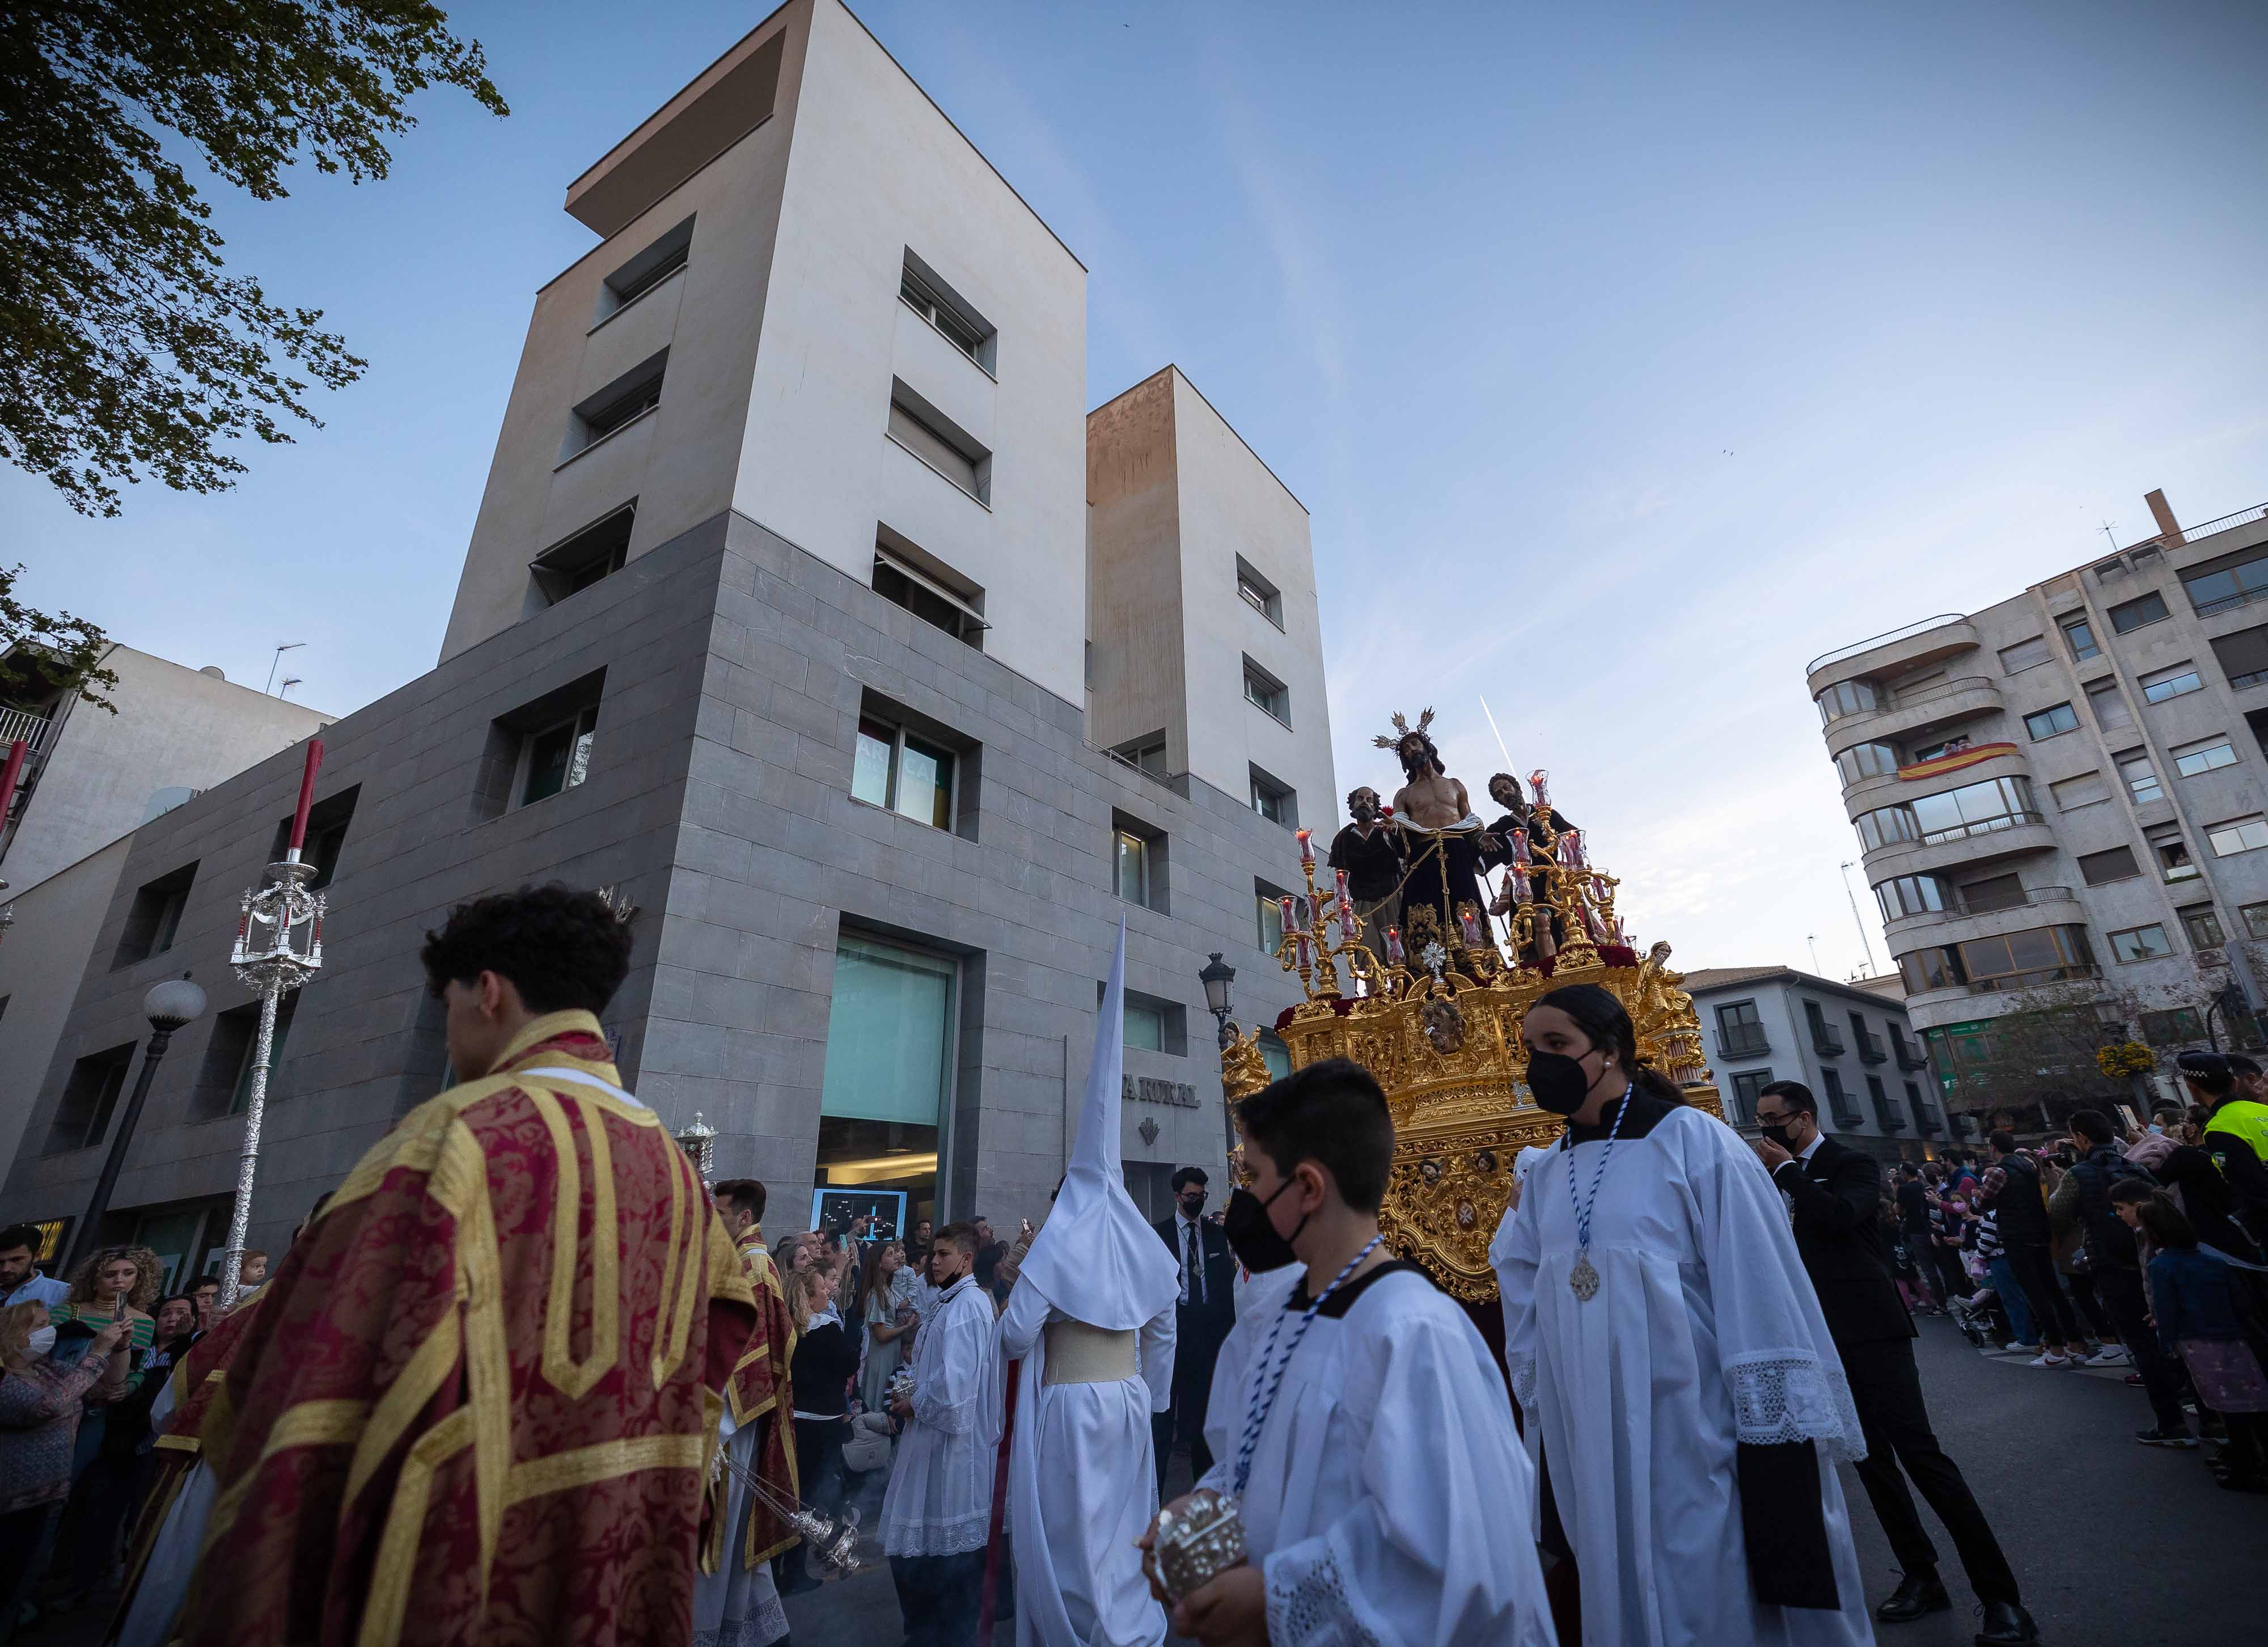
{"points": [[1442, 836]]}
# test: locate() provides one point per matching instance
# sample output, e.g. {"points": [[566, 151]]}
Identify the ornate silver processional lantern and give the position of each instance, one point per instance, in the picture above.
{"points": [[279, 945], [699, 1140]]}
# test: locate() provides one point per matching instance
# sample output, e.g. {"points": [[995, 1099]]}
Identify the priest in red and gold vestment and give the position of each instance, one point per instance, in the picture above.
{"points": [[479, 1402]]}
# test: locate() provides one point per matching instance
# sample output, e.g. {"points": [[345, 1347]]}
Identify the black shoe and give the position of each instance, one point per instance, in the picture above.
{"points": [[1917, 1593], [2165, 1438], [2005, 1621]]}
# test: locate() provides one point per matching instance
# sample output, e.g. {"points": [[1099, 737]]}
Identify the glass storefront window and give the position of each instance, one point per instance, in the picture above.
{"points": [[889, 1072]]}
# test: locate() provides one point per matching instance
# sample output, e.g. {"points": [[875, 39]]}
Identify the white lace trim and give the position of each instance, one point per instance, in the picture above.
{"points": [[1523, 1369], [760, 1629], [1308, 1604], [955, 1537], [1785, 1395]]}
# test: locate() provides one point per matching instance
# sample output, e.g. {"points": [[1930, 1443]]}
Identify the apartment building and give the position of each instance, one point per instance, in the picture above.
{"points": [[1851, 1045], [2063, 792], [775, 619]]}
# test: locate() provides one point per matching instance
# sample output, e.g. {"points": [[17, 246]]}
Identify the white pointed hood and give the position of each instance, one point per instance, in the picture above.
{"points": [[1097, 1259]]}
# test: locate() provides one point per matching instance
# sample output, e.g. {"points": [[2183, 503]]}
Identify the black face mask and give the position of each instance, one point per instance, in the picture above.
{"points": [[1252, 1238], [1559, 1082], [1778, 1134]]}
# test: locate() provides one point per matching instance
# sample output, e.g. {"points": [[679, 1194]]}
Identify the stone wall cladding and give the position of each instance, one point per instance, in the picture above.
{"points": [[718, 800]]}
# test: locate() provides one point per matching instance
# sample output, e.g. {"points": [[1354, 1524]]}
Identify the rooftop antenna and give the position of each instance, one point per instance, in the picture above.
{"points": [[290, 681], [288, 646], [2107, 532], [1812, 938], [1857, 920]]}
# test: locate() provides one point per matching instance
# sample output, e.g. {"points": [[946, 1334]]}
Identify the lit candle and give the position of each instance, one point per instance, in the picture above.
{"points": [[1470, 925], [1538, 782], [1306, 845], [1346, 909], [1394, 946], [306, 800], [1290, 925]]}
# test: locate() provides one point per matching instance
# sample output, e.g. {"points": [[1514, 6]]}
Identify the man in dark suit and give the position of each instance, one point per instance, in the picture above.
{"points": [[1201, 1322], [1836, 1193]]}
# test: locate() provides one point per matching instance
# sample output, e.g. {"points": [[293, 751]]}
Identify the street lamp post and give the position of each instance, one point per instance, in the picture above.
{"points": [[1218, 978], [279, 945], [168, 1005]]}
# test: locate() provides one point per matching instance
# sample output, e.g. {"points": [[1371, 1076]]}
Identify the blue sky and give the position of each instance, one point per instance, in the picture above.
{"points": [[1627, 356]]}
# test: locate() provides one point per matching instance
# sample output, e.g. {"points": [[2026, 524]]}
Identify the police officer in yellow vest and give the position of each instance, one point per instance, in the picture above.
{"points": [[2236, 1134]]}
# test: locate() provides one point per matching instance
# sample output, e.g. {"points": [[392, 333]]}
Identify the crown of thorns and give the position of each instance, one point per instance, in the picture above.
{"points": [[1402, 729]]}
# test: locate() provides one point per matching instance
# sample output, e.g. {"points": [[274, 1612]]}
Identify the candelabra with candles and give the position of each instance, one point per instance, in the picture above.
{"points": [[279, 945], [1305, 946]]}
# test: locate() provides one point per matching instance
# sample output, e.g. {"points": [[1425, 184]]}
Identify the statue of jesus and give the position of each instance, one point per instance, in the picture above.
{"points": [[1444, 837]]}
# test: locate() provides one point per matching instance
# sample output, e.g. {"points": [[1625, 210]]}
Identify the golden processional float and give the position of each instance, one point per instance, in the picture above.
{"points": [[1436, 1019]]}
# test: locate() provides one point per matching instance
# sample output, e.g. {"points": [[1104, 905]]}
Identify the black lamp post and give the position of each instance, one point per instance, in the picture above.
{"points": [[168, 1005], [1216, 977]]}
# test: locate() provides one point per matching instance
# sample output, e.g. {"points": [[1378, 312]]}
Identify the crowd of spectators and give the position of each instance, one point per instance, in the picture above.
{"points": [[2143, 1248]]}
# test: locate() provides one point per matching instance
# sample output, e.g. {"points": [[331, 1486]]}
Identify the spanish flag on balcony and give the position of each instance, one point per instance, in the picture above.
{"points": [[1953, 760]]}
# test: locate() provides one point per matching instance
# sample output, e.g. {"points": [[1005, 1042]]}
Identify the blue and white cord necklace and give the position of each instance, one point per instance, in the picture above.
{"points": [[1583, 1279], [1263, 1393]]}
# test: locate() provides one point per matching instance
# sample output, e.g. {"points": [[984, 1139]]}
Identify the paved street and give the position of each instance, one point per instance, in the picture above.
{"points": [[2113, 1542]]}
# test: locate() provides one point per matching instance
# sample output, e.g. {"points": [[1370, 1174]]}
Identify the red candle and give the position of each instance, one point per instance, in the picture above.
{"points": [[17, 753], [1288, 926], [1394, 946], [1306, 845], [306, 800]]}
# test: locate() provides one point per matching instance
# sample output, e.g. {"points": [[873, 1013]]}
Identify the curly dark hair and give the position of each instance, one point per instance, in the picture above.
{"points": [[560, 948]]}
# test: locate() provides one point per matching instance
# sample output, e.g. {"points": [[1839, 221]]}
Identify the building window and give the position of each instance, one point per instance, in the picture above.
{"points": [[1886, 826], [155, 918], [2203, 757], [2254, 917], [2025, 655], [2082, 791], [2100, 868], [1153, 1025], [1995, 892], [1273, 800], [327, 836], [888, 1081], [2244, 657], [1924, 970], [1912, 895], [1998, 803], [558, 756], [2140, 943], [224, 1081], [2224, 585], [2174, 682], [1257, 593], [1847, 697], [2172, 851], [1275, 1054], [2141, 778], [2111, 711], [1838, 1100], [615, 407], [1129, 867], [2051, 723], [2025, 960], [938, 442], [645, 271], [2172, 1027], [920, 289], [1868, 760], [2238, 835], [1748, 1087], [2137, 613], [1823, 1039], [2203, 926], [1886, 1114], [931, 595], [1741, 1032], [905, 773], [1268, 904], [88, 1097], [1265, 691], [598, 550], [2079, 634], [1146, 755], [1924, 1121], [1870, 1046]]}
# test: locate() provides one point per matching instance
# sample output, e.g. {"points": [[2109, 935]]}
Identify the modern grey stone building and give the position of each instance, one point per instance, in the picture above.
{"points": [[2063, 792], [1851, 1043], [782, 631]]}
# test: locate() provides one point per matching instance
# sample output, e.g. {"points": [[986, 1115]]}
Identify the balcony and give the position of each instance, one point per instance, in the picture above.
{"points": [[1887, 1116], [2014, 836], [1871, 1049], [1914, 715], [1894, 653], [1746, 1043], [2076, 973], [1906, 1055], [1930, 1124], [22, 724], [1825, 1042], [2033, 897]]}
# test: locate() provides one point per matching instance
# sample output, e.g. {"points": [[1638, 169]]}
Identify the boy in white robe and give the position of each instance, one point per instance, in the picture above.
{"points": [[937, 1511], [1092, 1318], [1680, 1386], [1355, 1414]]}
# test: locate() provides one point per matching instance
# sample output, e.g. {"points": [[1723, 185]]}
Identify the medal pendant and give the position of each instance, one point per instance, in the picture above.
{"points": [[1583, 1279]]}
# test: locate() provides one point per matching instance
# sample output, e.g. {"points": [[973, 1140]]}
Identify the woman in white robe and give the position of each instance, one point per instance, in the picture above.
{"points": [[1698, 1367]]}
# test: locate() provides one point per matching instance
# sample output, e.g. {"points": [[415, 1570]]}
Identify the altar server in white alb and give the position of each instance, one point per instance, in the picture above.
{"points": [[938, 1510], [1092, 1318], [1356, 1415], [1667, 1347]]}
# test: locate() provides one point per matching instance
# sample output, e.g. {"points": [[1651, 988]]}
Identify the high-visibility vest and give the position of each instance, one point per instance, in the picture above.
{"points": [[2241, 1118]]}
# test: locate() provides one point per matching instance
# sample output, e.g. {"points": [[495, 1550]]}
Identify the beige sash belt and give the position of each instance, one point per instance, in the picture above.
{"points": [[1080, 1354]]}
